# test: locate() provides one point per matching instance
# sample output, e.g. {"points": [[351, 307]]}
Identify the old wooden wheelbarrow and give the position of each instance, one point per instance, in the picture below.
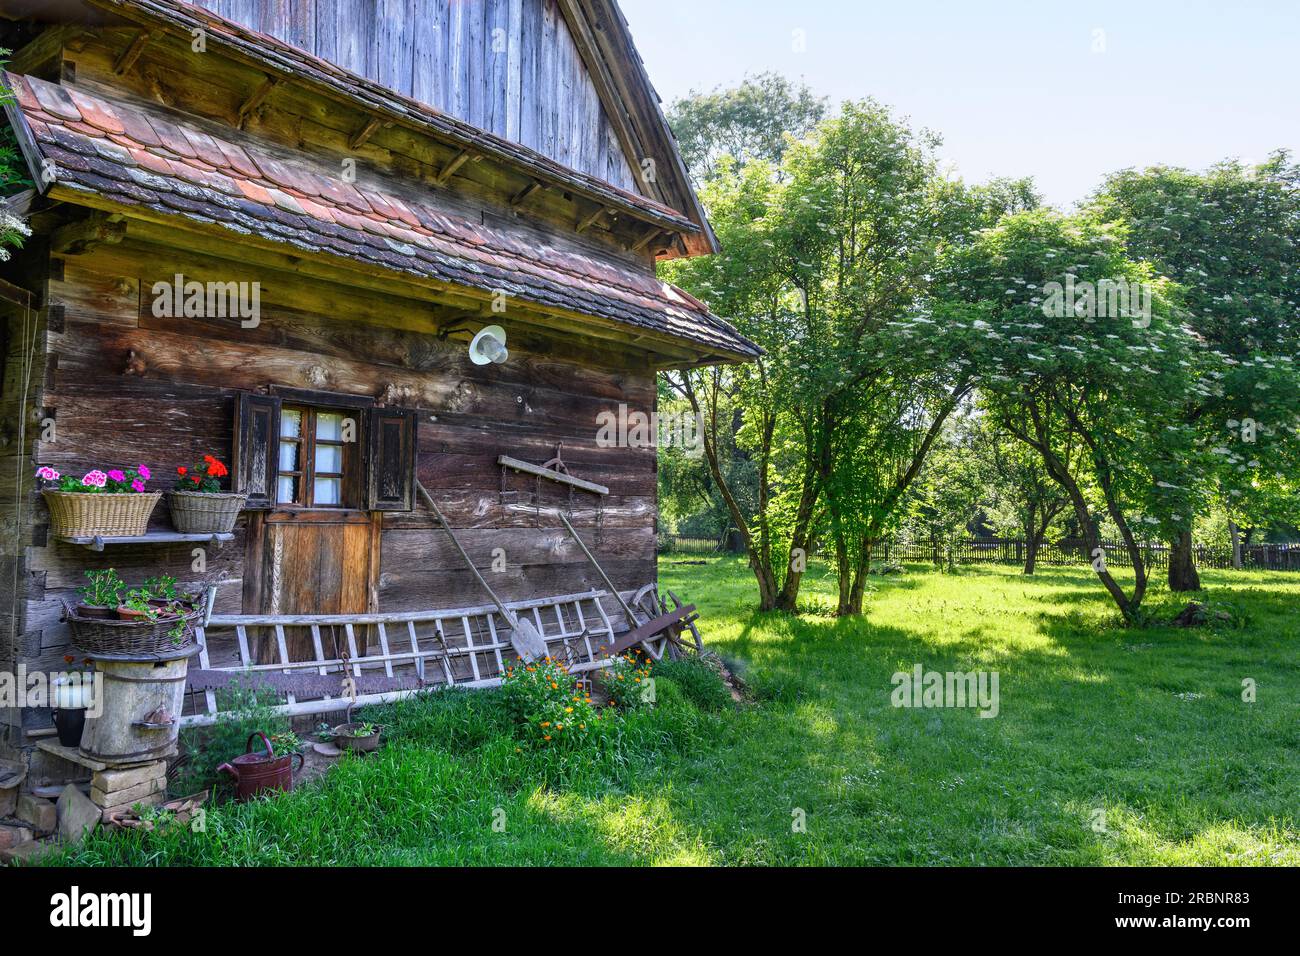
{"points": [[656, 628]]}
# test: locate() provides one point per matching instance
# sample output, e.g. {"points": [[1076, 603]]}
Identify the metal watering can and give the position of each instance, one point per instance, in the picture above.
{"points": [[256, 773]]}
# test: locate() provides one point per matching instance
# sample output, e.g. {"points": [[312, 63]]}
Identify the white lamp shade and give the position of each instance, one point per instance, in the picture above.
{"points": [[489, 346]]}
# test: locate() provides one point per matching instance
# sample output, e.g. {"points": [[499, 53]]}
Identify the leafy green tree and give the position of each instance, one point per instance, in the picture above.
{"points": [[826, 263], [747, 408], [1230, 238], [747, 122], [1094, 385]]}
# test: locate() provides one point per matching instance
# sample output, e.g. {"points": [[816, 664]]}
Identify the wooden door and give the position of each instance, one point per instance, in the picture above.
{"points": [[311, 562]]}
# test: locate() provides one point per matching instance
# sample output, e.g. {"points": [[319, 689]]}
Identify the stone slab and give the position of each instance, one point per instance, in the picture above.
{"points": [[128, 795], [127, 777], [38, 812], [77, 815]]}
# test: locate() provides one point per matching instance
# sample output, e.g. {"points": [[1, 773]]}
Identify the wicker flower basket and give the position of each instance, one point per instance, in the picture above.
{"points": [[194, 512], [75, 514], [99, 636]]}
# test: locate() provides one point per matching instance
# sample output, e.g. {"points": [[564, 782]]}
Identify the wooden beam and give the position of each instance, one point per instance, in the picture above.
{"points": [[454, 164], [15, 294], [78, 238], [514, 464], [46, 48], [648, 238], [592, 219], [359, 138], [256, 99], [20, 204], [132, 52], [519, 198]]}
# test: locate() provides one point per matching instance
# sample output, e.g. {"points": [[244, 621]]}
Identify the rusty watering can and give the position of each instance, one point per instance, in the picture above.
{"points": [[257, 773]]}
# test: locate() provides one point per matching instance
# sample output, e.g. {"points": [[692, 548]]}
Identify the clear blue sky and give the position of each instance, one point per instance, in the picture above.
{"points": [[1014, 86]]}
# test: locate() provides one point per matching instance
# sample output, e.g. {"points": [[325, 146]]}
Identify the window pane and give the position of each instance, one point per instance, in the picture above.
{"points": [[329, 458], [290, 424], [288, 491], [328, 491], [329, 426], [288, 456]]}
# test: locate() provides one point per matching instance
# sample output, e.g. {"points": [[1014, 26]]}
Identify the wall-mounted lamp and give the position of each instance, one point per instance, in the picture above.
{"points": [[489, 346]]}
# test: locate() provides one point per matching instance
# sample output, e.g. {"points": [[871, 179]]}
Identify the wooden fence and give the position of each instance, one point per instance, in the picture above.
{"points": [[1069, 551], [686, 544], [1263, 557]]}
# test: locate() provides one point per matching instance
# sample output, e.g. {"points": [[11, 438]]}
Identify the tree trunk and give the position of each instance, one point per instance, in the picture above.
{"points": [[1031, 551], [859, 587], [1235, 533], [800, 539], [1031, 546], [845, 575], [1182, 564], [1036, 536], [1061, 475]]}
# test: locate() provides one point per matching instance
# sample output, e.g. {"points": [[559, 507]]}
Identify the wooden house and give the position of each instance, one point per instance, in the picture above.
{"points": [[258, 221]]}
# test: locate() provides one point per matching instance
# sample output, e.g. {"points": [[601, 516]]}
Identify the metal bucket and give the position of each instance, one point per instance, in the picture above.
{"points": [[134, 688], [257, 773]]}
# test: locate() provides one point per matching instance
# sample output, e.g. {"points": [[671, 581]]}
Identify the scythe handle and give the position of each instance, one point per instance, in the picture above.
{"points": [[432, 506], [627, 611]]}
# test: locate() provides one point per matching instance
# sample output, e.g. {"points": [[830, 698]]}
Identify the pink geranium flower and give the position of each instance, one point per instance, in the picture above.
{"points": [[95, 479], [46, 473], [144, 472], [117, 475], [138, 485]]}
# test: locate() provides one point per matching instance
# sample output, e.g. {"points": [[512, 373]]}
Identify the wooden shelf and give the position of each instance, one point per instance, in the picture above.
{"points": [[98, 542]]}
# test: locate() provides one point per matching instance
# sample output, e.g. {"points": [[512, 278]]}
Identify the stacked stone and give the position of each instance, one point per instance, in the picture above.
{"points": [[116, 789]]}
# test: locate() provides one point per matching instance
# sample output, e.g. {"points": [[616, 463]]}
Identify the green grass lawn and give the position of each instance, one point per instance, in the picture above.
{"points": [[1112, 746]]}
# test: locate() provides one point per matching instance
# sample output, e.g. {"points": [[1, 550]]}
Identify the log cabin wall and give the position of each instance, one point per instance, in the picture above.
{"points": [[23, 321], [125, 387], [154, 143]]}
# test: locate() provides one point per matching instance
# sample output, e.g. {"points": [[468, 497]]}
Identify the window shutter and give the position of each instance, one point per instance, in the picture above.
{"points": [[391, 468], [257, 441]]}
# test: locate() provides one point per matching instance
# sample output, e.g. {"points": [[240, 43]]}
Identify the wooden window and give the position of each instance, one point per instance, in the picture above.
{"points": [[317, 461], [298, 449]]}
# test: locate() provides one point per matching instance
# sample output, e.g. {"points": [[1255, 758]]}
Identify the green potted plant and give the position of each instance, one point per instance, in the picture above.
{"points": [[155, 618], [163, 594], [197, 503], [101, 597], [136, 606], [108, 504], [358, 736]]}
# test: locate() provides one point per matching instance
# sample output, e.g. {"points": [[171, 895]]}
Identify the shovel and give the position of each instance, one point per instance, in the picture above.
{"points": [[524, 636]]}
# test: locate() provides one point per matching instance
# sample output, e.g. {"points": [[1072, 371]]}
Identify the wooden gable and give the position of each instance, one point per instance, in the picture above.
{"points": [[509, 67]]}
